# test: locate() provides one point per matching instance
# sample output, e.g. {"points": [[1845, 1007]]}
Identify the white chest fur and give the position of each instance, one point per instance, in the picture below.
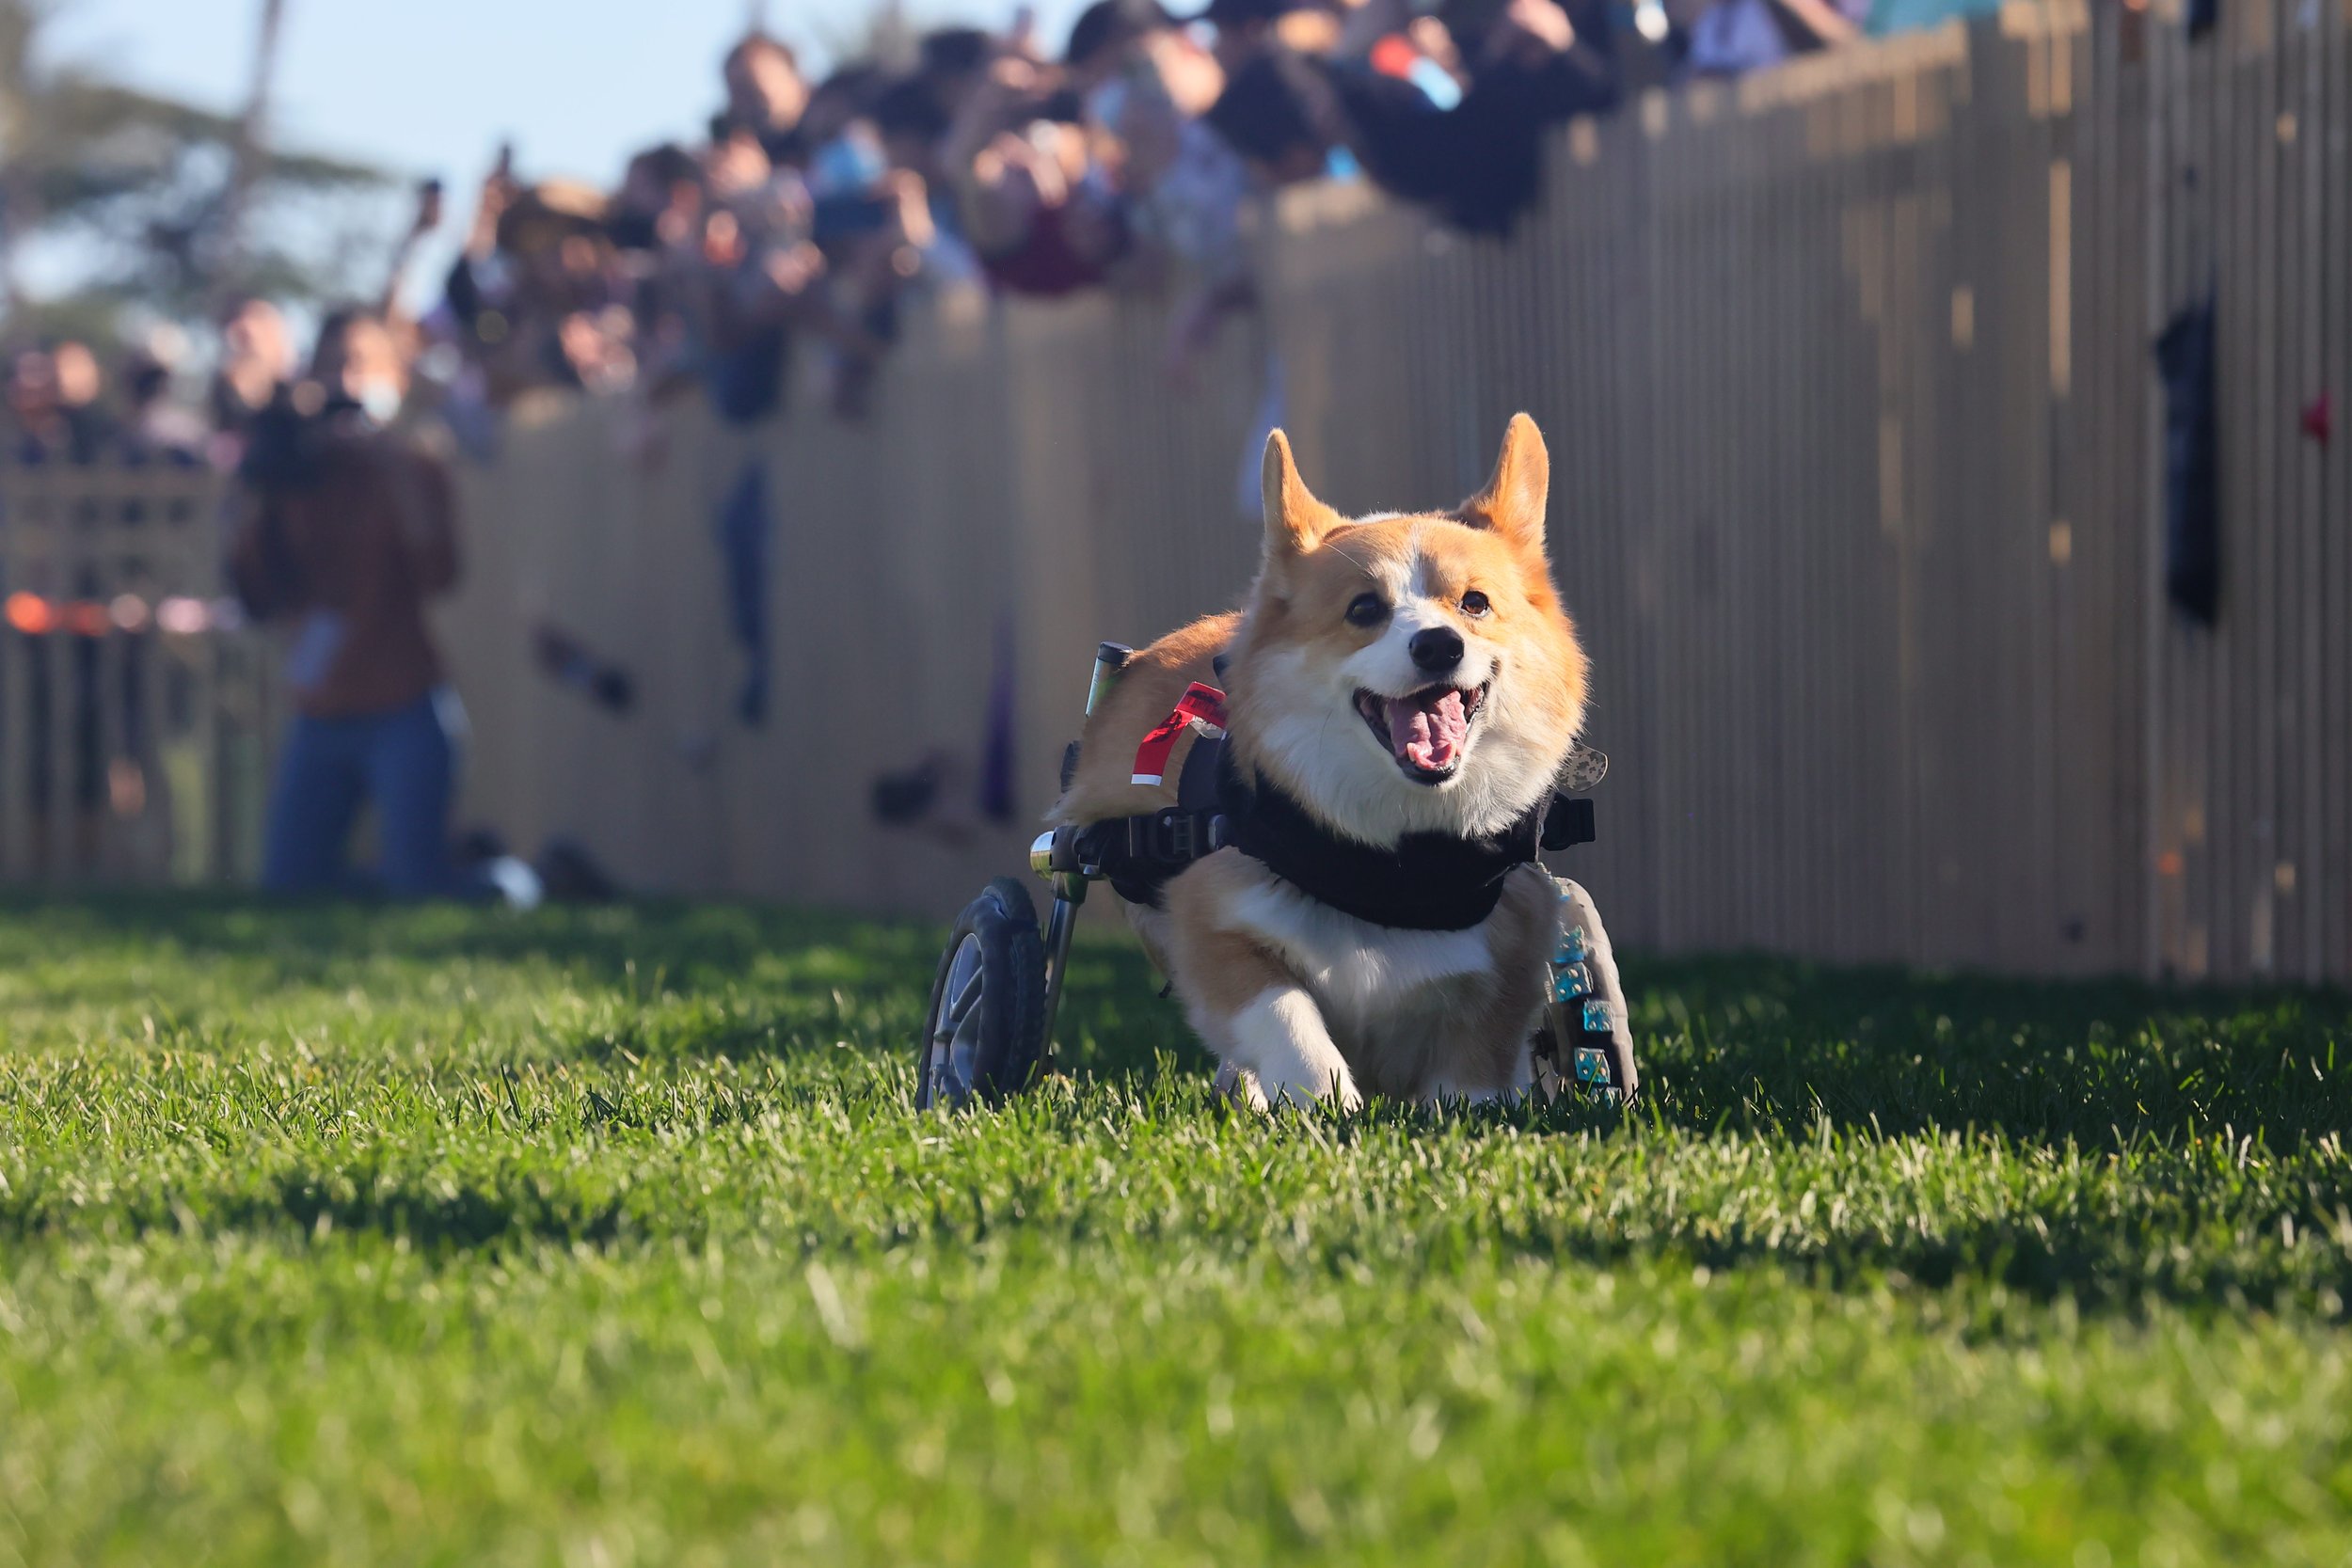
{"points": [[1359, 973]]}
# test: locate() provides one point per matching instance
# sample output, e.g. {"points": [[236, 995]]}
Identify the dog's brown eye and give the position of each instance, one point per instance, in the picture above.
{"points": [[1474, 604], [1366, 610]]}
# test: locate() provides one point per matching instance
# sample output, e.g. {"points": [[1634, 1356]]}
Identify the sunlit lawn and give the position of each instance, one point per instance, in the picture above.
{"points": [[612, 1237]]}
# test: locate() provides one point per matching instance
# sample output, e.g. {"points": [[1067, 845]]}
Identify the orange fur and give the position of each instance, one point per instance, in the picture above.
{"points": [[1146, 694], [1301, 1000]]}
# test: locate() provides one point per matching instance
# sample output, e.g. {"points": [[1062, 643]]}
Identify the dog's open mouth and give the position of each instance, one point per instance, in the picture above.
{"points": [[1427, 731]]}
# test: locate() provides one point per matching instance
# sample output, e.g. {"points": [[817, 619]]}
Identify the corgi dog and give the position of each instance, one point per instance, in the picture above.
{"points": [[1400, 691]]}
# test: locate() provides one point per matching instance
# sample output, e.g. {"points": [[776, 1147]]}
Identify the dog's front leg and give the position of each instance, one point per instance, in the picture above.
{"points": [[1279, 1038], [1247, 1004], [1271, 1040]]}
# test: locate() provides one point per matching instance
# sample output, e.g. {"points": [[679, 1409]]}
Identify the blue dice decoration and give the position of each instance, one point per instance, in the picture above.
{"points": [[1572, 949], [1590, 1065], [1570, 981], [1596, 1019]]}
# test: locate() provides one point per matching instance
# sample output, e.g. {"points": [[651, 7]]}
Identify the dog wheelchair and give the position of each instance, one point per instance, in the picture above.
{"points": [[988, 1033]]}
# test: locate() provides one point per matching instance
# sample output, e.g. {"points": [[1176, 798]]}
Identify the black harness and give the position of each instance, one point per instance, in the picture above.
{"points": [[1428, 882]]}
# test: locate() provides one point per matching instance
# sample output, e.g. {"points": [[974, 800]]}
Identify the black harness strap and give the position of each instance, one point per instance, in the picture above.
{"points": [[1428, 882], [1139, 854]]}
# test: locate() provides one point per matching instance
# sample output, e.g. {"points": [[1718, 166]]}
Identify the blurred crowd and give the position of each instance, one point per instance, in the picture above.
{"points": [[800, 222], [810, 209]]}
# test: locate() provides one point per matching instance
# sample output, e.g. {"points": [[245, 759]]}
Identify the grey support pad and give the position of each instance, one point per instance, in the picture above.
{"points": [[1575, 1021]]}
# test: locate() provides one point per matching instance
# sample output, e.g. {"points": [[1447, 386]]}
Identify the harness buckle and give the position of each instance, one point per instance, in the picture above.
{"points": [[1173, 836]]}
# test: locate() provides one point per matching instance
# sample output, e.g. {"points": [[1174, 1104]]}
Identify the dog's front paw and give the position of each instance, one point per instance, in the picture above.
{"points": [[1240, 1085], [1243, 1086], [1339, 1090]]}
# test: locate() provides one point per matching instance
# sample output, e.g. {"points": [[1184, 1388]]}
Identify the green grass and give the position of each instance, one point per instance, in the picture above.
{"points": [[340, 1235]]}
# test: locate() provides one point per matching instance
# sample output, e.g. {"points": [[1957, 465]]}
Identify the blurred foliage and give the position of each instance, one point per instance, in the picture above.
{"points": [[145, 186]]}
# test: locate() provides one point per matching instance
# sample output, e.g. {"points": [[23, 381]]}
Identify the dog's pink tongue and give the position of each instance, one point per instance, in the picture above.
{"points": [[1429, 732]]}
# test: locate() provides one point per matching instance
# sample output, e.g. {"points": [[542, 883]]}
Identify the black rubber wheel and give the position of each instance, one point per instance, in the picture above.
{"points": [[986, 1026]]}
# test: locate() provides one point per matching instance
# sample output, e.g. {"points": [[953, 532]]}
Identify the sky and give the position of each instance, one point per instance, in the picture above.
{"points": [[433, 87]]}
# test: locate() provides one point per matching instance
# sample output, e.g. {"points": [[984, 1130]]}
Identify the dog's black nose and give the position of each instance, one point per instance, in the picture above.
{"points": [[1436, 649]]}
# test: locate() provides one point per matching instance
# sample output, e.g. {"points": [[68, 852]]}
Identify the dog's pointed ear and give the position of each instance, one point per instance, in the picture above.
{"points": [[1296, 522], [1513, 501]]}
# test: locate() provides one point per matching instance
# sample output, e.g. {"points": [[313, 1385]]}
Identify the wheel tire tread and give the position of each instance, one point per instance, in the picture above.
{"points": [[1012, 996], [1024, 1018]]}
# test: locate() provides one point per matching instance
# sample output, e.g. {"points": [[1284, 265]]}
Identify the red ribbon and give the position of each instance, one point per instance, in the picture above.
{"points": [[1201, 709]]}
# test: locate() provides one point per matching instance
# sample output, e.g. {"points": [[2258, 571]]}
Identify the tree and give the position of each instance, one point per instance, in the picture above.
{"points": [[160, 202]]}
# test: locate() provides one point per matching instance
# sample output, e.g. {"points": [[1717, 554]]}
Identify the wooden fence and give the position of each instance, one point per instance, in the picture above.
{"points": [[1849, 381], [1847, 375], [1859, 464], [134, 712]]}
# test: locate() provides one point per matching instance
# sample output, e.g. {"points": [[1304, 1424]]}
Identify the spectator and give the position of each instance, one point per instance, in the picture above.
{"points": [[1283, 115], [531, 295], [1147, 84], [872, 218], [837, 108], [351, 528], [37, 426], [912, 118], [54, 410], [1533, 66], [1731, 37], [954, 61], [766, 95], [155, 426], [1554, 58], [1478, 163], [659, 194], [81, 387], [257, 359], [1245, 29], [656, 218], [1037, 214]]}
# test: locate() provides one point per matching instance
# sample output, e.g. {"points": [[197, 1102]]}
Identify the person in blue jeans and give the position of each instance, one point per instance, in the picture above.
{"points": [[349, 528], [403, 764]]}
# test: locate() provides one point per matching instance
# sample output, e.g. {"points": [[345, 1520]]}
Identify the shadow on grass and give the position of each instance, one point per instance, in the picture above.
{"points": [[1750, 1040], [2096, 1266], [2156, 1249], [683, 946], [434, 1216], [1725, 1042], [863, 979]]}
